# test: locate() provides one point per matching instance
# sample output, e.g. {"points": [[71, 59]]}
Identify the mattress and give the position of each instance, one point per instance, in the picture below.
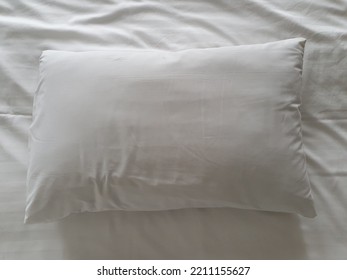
{"points": [[28, 28]]}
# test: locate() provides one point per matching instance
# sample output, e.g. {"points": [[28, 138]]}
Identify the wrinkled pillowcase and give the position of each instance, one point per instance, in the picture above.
{"points": [[158, 130]]}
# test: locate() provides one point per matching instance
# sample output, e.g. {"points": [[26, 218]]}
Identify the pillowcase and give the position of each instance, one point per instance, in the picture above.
{"points": [[148, 130]]}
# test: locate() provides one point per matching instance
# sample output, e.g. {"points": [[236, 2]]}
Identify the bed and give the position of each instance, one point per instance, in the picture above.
{"points": [[28, 28]]}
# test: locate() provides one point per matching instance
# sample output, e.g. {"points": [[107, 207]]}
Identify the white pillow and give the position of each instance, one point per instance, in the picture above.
{"points": [[158, 130]]}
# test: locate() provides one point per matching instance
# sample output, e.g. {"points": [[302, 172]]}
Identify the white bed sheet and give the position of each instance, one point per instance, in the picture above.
{"points": [[28, 27]]}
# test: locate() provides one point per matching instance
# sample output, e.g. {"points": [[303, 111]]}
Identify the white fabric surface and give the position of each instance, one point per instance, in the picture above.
{"points": [[27, 28], [144, 130]]}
